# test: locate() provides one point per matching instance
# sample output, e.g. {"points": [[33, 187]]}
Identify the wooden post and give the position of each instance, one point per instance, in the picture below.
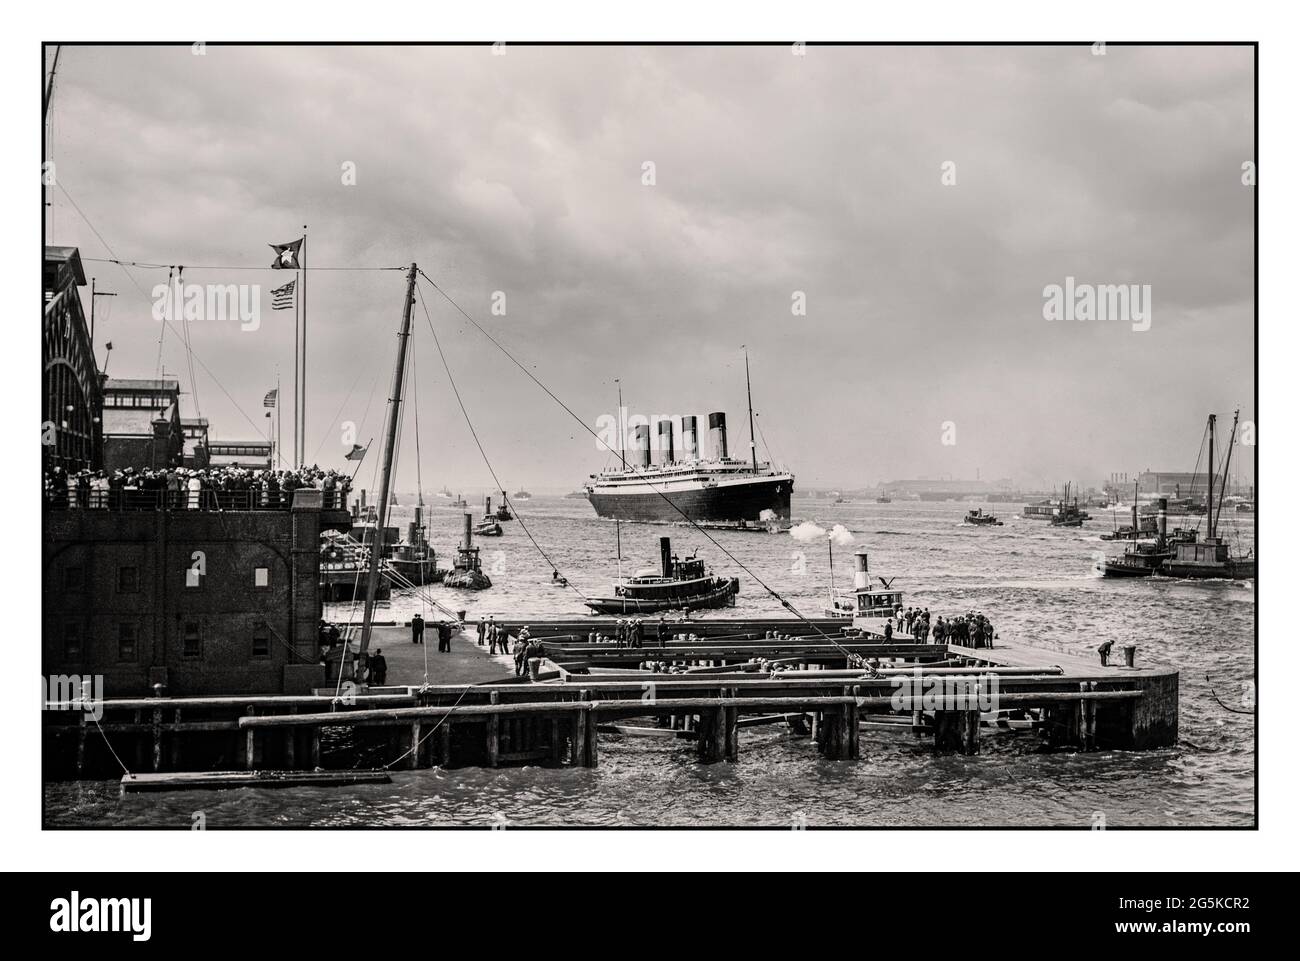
{"points": [[315, 747], [290, 742], [853, 719], [175, 744], [710, 746], [157, 739], [947, 736], [81, 743], [731, 730], [414, 760], [1088, 733], [590, 747], [557, 743], [970, 732], [493, 733], [444, 749]]}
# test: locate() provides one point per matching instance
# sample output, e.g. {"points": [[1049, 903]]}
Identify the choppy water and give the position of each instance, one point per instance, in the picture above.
{"points": [[1034, 582]]}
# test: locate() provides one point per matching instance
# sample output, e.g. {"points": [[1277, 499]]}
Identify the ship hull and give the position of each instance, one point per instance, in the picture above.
{"points": [[1232, 571], [726, 502], [721, 596]]}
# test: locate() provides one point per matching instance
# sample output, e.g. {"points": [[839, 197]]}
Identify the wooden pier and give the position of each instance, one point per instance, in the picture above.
{"points": [[832, 689]]}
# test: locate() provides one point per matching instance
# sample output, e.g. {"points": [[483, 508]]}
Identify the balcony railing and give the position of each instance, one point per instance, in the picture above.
{"points": [[128, 499]]}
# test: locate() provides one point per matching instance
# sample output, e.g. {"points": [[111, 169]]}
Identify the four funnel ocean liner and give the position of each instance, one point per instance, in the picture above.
{"points": [[681, 485]]}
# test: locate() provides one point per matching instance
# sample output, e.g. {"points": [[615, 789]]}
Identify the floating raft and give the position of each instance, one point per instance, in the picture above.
{"points": [[220, 780]]}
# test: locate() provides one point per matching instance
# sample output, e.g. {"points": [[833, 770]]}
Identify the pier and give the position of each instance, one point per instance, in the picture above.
{"points": [[830, 688]]}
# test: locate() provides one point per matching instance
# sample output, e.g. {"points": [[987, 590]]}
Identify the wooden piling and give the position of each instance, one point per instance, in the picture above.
{"points": [[157, 739], [493, 733]]}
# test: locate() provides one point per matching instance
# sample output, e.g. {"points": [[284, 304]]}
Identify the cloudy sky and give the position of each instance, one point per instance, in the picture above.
{"points": [[824, 174]]}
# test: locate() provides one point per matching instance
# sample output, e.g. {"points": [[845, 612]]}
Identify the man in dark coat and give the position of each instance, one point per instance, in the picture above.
{"points": [[378, 668], [417, 629]]}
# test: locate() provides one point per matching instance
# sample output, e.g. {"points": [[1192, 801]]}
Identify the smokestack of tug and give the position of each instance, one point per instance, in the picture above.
{"points": [[718, 430], [861, 580], [690, 439], [1162, 520], [666, 555], [664, 454], [487, 506], [468, 534], [641, 446]]}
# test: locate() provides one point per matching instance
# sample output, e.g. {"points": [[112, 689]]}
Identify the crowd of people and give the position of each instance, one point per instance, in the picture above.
{"points": [[496, 638], [971, 629], [184, 488]]}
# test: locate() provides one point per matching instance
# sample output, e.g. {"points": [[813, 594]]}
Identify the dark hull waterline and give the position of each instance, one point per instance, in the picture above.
{"points": [[741, 502]]}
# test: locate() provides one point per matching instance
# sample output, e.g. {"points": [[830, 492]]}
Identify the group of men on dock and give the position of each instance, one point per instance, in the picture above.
{"points": [[972, 629], [184, 488]]}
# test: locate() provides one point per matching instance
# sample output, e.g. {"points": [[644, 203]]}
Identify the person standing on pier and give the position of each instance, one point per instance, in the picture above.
{"points": [[417, 629], [444, 637], [482, 630], [889, 631], [663, 631], [378, 667]]}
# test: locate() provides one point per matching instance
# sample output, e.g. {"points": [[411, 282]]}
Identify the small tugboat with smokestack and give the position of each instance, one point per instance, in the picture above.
{"points": [[977, 517], [1142, 558], [682, 584], [869, 607], [413, 559], [503, 512], [488, 526], [467, 574]]}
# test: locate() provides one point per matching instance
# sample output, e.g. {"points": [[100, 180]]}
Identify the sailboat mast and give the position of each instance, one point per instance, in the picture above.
{"points": [[1209, 494], [749, 394], [386, 467], [830, 554], [622, 434], [1227, 463]]}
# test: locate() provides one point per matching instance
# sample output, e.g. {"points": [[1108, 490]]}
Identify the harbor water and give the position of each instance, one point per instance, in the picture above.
{"points": [[1035, 583]]}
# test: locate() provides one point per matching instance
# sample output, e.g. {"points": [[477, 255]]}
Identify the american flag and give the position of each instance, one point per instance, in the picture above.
{"points": [[282, 297], [271, 397]]}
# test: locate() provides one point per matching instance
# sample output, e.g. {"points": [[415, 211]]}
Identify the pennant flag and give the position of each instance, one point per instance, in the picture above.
{"points": [[357, 452], [282, 297], [271, 398], [286, 255]]}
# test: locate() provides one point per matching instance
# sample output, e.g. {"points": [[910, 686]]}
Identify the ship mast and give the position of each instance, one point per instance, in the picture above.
{"points": [[622, 436], [386, 467], [1227, 464], [749, 394], [1209, 494]]}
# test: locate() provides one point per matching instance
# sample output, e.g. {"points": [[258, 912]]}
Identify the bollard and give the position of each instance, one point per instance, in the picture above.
{"points": [[1130, 654], [534, 666]]}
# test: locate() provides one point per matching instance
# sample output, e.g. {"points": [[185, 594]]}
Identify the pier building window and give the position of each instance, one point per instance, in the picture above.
{"points": [[72, 578], [261, 646], [71, 639], [126, 642], [261, 577], [192, 640], [128, 580]]}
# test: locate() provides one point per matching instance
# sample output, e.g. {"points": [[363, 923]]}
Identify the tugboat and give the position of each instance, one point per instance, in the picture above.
{"points": [[1209, 557], [414, 559], [884, 499], [1066, 514], [872, 606], [1137, 528], [522, 495], [488, 526], [979, 518], [503, 512], [682, 585], [458, 502], [344, 565], [444, 493], [467, 574], [1142, 558]]}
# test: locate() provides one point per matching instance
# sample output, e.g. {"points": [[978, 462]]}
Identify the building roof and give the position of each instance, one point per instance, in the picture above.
{"points": [[114, 383], [69, 255], [135, 421]]}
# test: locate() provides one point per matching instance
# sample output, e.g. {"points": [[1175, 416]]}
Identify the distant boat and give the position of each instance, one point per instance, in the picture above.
{"points": [[980, 519], [459, 502], [444, 493], [884, 499], [522, 495], [576, 495]]}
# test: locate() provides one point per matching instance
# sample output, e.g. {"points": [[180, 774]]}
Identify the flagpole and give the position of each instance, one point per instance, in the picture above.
{"points": [[303, 452], [279, 428], [297, 306]]}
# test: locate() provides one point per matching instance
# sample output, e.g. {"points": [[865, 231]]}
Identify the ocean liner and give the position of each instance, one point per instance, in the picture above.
{"points": [[681, 485]]}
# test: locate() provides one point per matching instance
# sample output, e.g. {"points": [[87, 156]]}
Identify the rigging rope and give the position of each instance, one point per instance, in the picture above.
{"points": [[473, 433], [758, 580]]}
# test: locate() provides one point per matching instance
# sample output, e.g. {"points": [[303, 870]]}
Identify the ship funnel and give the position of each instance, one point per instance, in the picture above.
{"points": [[487, 505], [861, 580], [1162, 519], [664, 453], [690, 439], [666, 555], [641, 445], [718, 430], [467, 537]]}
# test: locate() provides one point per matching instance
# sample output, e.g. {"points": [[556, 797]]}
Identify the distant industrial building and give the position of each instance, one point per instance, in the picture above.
{"points": [[72, 434], [142, 424]]}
